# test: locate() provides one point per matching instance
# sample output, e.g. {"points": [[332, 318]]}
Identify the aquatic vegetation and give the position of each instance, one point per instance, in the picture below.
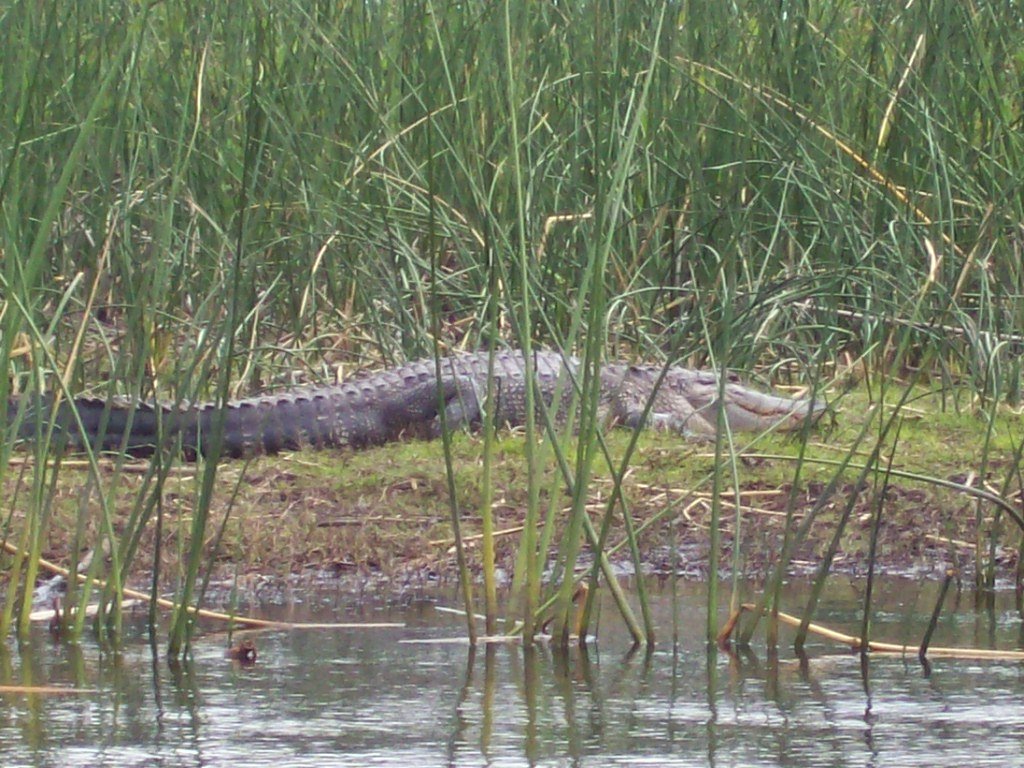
{"points": [[203, 202]]}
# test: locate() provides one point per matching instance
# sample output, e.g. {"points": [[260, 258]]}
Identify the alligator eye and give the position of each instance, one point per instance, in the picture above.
{"points": [[637, 371]]}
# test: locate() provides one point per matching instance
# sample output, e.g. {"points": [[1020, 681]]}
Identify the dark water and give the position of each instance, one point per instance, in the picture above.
{"points": [[365, 698]]}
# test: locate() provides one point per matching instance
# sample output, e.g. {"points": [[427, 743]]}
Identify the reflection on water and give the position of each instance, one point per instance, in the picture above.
{"points": [[364, 698]]}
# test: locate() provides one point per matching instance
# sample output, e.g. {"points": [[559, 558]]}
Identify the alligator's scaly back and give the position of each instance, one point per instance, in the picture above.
{"points": [[344, 416], [407, 400]]}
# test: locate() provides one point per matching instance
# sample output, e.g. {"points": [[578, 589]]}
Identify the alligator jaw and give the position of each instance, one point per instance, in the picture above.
{"points": [[685, 401]]}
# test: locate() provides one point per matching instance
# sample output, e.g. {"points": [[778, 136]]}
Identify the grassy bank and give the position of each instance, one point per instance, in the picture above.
{"points": [[203, 199], [377, 520], [300, 175]]}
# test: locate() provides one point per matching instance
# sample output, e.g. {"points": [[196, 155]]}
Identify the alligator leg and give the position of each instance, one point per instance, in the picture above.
{"points": [[462, 404]]}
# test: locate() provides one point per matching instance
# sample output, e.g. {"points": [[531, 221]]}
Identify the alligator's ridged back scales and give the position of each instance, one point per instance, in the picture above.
{"points": [[380, 407]]}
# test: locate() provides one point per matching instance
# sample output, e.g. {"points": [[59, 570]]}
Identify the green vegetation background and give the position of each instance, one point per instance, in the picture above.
{"points": [[204, 198], [811, 182]]}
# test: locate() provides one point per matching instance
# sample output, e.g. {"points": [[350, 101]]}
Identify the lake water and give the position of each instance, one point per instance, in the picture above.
{"points": [[373, 698]]}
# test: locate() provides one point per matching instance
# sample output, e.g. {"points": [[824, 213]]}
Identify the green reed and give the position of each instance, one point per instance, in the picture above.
{"points": [[243, 191]]}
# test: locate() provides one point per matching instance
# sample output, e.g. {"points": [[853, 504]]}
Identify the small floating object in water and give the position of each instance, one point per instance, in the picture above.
{"points": [[56, 626], [244, 653]]}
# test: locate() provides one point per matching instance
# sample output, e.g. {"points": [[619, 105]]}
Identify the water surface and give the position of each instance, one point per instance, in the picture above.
{"points": [[386, 697]]}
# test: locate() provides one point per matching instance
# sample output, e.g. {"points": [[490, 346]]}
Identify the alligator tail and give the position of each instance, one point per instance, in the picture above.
{"points": [[91, 423], [250, 428], [325, 418]]}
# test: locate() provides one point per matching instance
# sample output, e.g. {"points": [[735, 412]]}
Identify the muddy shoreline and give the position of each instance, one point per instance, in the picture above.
{"points": [[378, 521]]}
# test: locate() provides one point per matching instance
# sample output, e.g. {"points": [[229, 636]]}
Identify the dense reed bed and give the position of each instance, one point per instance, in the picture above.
{"points": [[205, 199]]}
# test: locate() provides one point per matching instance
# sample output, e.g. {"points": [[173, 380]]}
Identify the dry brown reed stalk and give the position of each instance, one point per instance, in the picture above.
{"points": [[874, 646], [48, 690]]}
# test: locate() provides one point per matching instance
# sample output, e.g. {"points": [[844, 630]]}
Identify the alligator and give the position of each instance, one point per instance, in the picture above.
{"points": [[408, 400]]}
